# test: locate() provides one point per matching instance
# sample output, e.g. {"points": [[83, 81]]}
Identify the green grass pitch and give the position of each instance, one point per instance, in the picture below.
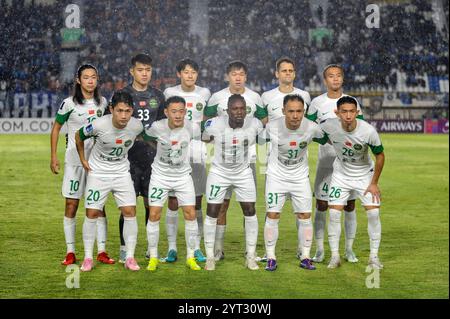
{"points": [[414, 247]]}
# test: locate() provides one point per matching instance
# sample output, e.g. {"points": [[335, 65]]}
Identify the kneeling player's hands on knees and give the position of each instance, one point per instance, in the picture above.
{"points": [[375, 191]]}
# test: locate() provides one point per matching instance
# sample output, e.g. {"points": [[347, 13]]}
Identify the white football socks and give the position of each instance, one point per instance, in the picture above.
{"points": [[320, 219], [305, 235], [102, 231], [130, 231], [220, 237], [350, 229], [89, 230], [209, 235], [374, 230], [191, 235], [199, 215], [251, 235], [334, 231], [69, 233], [271, 236], [153, 238], [172, 228]]}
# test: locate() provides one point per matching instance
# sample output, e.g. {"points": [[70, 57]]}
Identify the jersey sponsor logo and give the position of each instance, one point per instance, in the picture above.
{"points": [[91, 112], [302, 145], [357, 147], [199, 106], [153, 103], [89, 128], [99, 113], [128, 143], [119, 141], [142, 103], [293, 143], [189, 104]]}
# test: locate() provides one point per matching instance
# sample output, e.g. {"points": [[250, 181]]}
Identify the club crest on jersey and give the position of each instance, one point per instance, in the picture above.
{"points": [[245, 143], [119, 141], [302, 144], [184, 144], [357, 147], [199, 106], [128, 143], [153, 103], [99, 113], [249, 109]]}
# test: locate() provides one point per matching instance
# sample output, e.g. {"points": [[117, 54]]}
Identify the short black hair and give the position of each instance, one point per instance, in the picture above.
{"points": [[346, 100], [234, 98], [141, 58], [293, 97], [236, 65], [185, 62], [121, 97], [174, 99], [284, 60], [333, 65]]}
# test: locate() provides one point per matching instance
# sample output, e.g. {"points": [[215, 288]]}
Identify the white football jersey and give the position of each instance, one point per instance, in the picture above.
{"points": [[353, 159], [195, 104], [322, 108], [172, 153], [218, 105], [195, 101], [231, 146], [273, 101], [288, 156], [109, 155], [77, 116]]}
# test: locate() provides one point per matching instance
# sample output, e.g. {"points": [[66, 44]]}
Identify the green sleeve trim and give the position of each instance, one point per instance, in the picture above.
{"points": [[210, 110], [148, 137], [376, 149], [360, 116], [321, 141], [82, 136], [312, 117], [61, 119], [261, 112]]}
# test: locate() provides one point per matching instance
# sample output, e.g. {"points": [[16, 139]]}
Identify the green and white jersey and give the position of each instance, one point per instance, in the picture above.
{"points": [[76, 116], [109, 156], [321, 109], [288, 156], [273, 101], [218, 104], [195, 101], [231, 146], [172, 153], [353, 159]]}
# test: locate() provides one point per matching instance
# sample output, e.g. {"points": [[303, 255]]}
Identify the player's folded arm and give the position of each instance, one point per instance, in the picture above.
{"points": [[210, 110], [321, 140]]}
